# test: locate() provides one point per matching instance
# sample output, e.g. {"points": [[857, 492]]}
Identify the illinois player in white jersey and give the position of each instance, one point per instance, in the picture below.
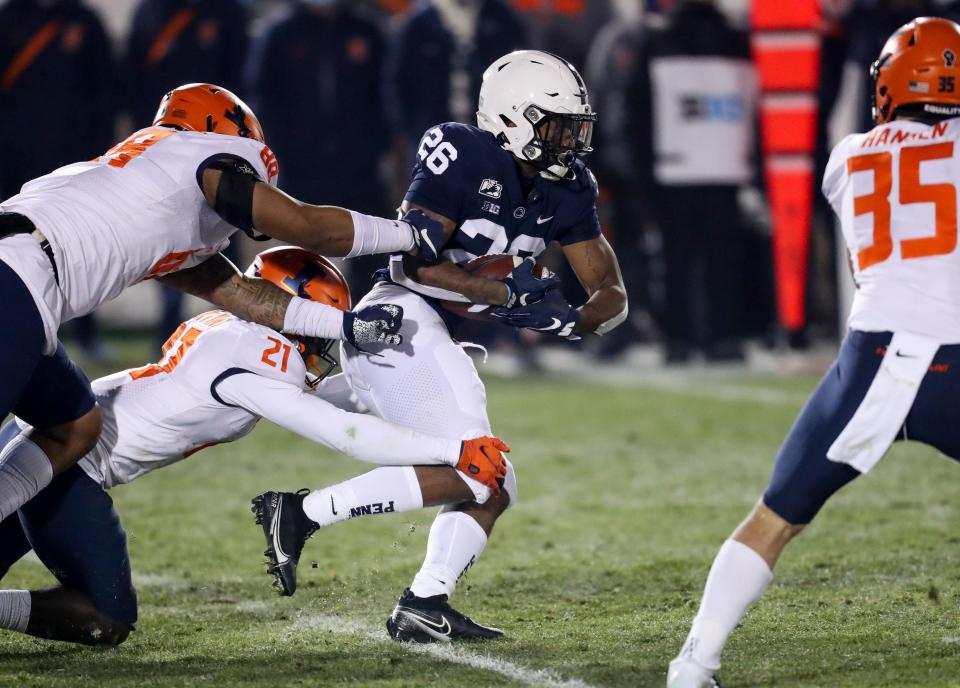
{"points": [[218, 377], [895, 192], [159, 205]]}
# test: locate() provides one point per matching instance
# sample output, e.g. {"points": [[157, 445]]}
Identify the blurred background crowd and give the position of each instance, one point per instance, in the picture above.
{"points": [[694, 126]]}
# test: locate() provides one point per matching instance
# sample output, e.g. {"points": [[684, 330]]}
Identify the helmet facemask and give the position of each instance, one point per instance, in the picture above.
{"points": [[318, 359], [559, 138]]}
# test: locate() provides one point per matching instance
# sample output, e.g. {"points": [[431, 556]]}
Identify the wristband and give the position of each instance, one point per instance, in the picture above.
{"points": [[373, 234], [509, 294]]}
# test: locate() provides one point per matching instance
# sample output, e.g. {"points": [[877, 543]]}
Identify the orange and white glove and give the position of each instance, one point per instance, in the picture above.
{"points": [[480, 458]]}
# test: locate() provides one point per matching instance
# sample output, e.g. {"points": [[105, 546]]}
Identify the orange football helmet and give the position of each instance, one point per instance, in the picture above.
{"points": [[918, 72], [207, 107], [312, 277]]}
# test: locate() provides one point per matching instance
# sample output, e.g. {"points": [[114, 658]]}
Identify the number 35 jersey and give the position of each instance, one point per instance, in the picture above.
{"points": [[894, 190], [134, 213], [462, 173]]}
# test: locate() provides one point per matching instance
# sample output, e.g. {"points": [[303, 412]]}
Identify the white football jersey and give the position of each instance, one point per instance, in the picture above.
{"points": [[218, 376], [157, 414], [134, 213], [895, 192]]}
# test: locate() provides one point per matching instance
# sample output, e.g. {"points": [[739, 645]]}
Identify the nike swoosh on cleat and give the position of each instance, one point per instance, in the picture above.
{"points": [[282, 556], [428, 625], [332, 507]]}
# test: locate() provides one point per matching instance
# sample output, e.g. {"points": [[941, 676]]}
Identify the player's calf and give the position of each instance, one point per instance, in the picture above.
{"points": [[60, 614]]}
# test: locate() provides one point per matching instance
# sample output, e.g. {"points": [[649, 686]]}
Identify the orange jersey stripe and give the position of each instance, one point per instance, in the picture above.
{"points": [[168, 34], [30, 52]]}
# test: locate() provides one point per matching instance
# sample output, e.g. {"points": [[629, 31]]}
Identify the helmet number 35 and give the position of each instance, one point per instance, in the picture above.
{"points": [[436, 153]]}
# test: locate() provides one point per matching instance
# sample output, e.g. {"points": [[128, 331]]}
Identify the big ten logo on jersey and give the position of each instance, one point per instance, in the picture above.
{"points": [[134, 146], [270, 162], [177, 345], [906, 163], [436, 153]]}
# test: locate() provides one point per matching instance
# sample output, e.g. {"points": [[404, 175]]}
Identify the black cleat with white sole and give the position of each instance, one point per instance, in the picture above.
{"points": [[432, 619], [286, 529]]}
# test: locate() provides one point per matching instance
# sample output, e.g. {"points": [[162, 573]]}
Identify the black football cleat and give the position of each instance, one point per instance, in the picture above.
{"points": [[286, 529], [432, 619]]}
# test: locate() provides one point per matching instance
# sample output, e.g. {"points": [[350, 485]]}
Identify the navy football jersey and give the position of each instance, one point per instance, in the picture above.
{"points": [[462, 173]]}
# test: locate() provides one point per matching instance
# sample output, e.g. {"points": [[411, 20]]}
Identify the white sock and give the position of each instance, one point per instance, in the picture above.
{"points": [[24, 471], [14, 609], [385, 490], [737, 579], [373, 234], [456, 541]]}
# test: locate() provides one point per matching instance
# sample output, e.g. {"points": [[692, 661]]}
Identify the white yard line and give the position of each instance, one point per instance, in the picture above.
{"points": [[456, 654]]}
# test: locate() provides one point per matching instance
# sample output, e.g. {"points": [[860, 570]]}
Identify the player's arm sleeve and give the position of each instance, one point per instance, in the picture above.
{"points": [[337, 391], [361, 437]]}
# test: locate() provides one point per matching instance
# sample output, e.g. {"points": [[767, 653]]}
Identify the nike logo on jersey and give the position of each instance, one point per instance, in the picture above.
{"points": [[541, 220], [900, 354], [428, 625], [282, 556]]}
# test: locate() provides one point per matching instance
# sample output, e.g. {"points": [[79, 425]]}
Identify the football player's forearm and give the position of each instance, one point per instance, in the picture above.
{"points": [[252, 299], [218, 281], [453, 278], [326, 230], [606, 305]]}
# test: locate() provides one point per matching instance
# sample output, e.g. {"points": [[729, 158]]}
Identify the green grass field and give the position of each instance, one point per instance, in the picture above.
{"points": [[626, 494]]}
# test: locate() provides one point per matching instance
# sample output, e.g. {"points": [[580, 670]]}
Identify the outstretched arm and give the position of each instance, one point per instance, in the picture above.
{"points": [[242, 199], [359, 436], [218, 281]]}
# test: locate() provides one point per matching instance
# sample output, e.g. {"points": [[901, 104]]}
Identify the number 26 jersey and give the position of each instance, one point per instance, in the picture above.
{"points": [[462, 173]]}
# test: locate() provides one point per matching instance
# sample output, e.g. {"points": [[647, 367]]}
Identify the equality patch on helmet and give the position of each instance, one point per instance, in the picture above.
{"points": [[234, 197]]}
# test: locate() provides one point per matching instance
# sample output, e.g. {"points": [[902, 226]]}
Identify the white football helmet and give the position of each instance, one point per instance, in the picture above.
{"points": [[535, 104]]}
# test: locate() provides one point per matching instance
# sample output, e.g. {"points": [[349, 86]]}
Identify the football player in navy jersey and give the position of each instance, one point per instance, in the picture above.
{"points": [[511, 185]]}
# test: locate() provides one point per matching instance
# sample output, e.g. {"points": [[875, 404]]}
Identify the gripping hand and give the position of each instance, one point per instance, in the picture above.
{"points": [[480, 458], [427, 236], [376, 324], [552, 314], [524, 288]]}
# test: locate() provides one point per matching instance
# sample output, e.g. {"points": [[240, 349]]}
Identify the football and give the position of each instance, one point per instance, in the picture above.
{"points": [[494, 267]]}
